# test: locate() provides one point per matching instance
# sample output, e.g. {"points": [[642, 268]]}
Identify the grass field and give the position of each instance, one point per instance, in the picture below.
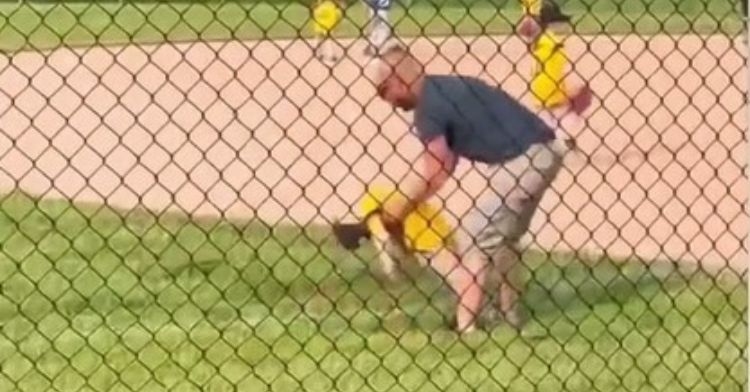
{"points": [[47, 25], [99, 300]]}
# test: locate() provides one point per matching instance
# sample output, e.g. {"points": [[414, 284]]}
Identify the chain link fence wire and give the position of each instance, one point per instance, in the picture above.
{"points": [[170, 172]]}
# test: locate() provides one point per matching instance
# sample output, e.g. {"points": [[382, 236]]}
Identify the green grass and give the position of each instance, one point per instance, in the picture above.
{"points": [[98, 299], [47, 25]]}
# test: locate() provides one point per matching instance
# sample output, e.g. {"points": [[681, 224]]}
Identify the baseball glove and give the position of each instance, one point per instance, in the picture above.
{"points": [[426, 230], [351, 235], [581, 100]]}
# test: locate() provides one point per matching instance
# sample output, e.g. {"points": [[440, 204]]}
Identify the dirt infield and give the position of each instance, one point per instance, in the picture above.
{"points": [[260, 129]]}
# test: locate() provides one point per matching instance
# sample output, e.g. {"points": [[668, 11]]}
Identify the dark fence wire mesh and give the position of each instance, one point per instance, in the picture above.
{"points": [[170, 171]]}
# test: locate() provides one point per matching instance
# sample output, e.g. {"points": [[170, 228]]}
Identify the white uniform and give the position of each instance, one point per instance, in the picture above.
{"points": [[379, 26]]}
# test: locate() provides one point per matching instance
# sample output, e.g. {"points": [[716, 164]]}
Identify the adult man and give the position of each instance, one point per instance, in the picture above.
{"points": [[454, 117]]}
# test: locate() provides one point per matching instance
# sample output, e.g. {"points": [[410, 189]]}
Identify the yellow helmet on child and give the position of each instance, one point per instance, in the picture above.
{"points": [[426, 229]]}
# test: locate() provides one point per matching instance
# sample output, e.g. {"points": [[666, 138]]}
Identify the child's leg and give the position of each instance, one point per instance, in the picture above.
{"points": [[381, 29], [317, 43], [387, 264], [329, 48], [325, 47], [390, 254]]}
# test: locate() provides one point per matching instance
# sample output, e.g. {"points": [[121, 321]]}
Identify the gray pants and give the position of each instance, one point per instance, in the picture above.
{"points": [[502, 214]]}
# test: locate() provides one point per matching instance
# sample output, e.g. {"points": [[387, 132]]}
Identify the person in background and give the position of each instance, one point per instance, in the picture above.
{"points": [[379, 28], [327, 15], [552, 93]]}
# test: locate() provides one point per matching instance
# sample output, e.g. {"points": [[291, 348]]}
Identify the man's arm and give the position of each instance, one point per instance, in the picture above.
{"points": [[437, 164]]}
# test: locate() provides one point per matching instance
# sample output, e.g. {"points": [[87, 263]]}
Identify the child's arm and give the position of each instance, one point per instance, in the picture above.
{"points": [[531, 7], [529, 27]]}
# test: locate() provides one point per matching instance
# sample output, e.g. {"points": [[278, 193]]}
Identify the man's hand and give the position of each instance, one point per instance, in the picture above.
{"points": [[438, 163]]}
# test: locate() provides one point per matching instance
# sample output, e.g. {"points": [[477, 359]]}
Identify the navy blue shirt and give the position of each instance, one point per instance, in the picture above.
{"points": [[480, 122]]}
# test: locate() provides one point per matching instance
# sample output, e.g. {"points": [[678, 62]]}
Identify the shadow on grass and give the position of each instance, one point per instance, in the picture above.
{"points": [[574, 288], [234, 270], [110, 286]]}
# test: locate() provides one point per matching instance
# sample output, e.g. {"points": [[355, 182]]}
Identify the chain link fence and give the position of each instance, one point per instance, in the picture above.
{"points": [[170, 172]]}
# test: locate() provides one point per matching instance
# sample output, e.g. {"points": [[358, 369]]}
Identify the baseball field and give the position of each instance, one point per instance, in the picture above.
{"points": [[168, 195], [48, 25]]}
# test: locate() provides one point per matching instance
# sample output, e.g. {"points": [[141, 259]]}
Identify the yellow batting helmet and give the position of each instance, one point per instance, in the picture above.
{"points": [[426, 229]]}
